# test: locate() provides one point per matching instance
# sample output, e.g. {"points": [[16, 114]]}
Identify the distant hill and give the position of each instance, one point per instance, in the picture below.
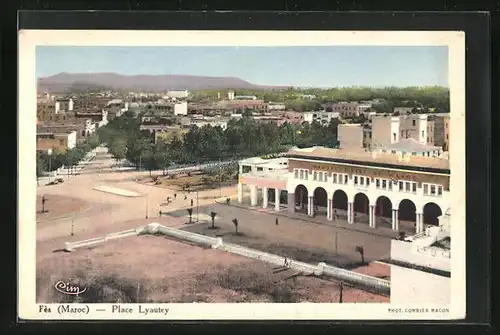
{"points": [[64, 82]]}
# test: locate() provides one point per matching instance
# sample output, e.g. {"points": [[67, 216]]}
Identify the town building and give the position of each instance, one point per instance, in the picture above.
{"points": [[381, 190], [61, 141], [410, 146], [388, 129], [178, 94], [230, 95], [245, 104], [181, 108], [350, 136], [276, 106], [402, 110], [422, 262], [348, 109], [322, 117]]}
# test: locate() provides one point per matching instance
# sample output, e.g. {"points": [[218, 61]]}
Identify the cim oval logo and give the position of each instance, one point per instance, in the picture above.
{"points": [[68, 288]]}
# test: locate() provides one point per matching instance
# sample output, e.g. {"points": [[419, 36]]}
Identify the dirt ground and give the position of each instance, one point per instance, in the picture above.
{"points": [[157, 269], [58, 206], [196, 181]]}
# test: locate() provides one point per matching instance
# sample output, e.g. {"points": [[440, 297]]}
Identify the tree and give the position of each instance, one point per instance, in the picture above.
{"points": [[117, 147], [148, 160], [235, 222], [190, 212], [213, 214], [361, 251], [162, 160]]}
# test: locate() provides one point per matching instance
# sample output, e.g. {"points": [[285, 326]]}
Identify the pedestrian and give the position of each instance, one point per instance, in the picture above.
{"points": [[185, 196], [335, 214], [175, 196], [285, 264], [276, 221], [191, 202], [168, 200]]}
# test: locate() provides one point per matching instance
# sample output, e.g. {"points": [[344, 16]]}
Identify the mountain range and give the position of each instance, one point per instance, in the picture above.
{"points": [[64, 82]]}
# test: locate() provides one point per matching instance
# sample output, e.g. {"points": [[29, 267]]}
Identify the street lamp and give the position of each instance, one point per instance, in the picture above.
{"points": [[49, 152]]}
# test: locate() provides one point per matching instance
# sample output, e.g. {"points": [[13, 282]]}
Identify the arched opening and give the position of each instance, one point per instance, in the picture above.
{"points": [[383, 211], [431, 213], [301, 198], [407, 213], [361, 208], [339, 204], [320, 200]]}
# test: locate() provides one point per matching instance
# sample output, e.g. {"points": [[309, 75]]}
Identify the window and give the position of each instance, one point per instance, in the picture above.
{"points": [[414, 153], [367, 181], [345, 179], [306, 173], [384, 184], [393, 151], [393, 136], [355, 180], [390, 185], [407, 187], [334, 176], [315, 175], [423, 134], [414, 187], [446, 136], [440, 190], [427, 138], [433, 189], [401, 185], [377, 183], [413, 122], [362, 180], [301, 174], [296, 174], [402, 133], [426, 188]]}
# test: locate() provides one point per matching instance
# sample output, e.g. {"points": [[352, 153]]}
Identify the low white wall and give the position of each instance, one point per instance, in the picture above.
{"points": [[216, 242], [117, 191]]}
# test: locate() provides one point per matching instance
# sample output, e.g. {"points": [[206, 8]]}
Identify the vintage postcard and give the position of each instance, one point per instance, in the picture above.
{"points": [[205, 175]]}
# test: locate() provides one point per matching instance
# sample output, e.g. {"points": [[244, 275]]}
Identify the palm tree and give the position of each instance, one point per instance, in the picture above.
{"points": [[213, 214], [361, 251], [190, 212], [235, 222]]}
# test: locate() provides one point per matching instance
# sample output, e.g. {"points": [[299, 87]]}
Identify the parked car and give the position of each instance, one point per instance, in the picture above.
{"points": [[60, 180]]}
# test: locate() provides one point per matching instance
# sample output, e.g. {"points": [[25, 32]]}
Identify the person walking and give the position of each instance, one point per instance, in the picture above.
{"points": [[276, 221], [175, 196]]}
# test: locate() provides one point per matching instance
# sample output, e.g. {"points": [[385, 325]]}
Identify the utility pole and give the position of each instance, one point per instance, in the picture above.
{"points": [[341, 298], [72, 227], [147, 203], [197, 207]]}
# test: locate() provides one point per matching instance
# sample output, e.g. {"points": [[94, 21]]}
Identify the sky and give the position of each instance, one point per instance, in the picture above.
{"points": [[316, 66]]}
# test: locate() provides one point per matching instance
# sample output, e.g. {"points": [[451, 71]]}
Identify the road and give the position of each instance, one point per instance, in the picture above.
{"points": [[110, 209]]}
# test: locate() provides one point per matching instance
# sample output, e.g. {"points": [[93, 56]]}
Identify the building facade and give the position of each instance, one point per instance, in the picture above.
{"points": [[322, 117], [181, 108], [57, 141], [362, 187]]}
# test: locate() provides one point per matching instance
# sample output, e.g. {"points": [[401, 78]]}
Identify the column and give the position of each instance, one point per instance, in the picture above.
{"points": [[291, 203], [329, 211], [310, 204], [420, 223], [240, 171], [240, 193], [373, 216], [395, 221], [264, 197], [277, 194], [253, 195], [350, 212]]}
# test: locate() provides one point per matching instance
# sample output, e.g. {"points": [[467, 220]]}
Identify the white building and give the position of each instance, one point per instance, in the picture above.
{"points": [[410, 147], [391, 129], [200, 124], [421, 266], [178, 94], [276, 106], [230, 95], [72, 140], [322, 117], [363, 187], [181, 108]]}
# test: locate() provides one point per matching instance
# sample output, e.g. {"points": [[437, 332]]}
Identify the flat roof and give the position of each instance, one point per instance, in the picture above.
{"points": [[361, 157], [410, 145]]}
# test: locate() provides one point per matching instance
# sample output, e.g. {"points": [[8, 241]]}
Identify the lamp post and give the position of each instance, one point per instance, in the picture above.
{"points": [[147, 204], [72, 227]]}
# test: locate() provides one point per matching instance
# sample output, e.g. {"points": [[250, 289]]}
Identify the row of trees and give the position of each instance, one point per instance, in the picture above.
{"points": [[242, 138], [58, 158]]}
